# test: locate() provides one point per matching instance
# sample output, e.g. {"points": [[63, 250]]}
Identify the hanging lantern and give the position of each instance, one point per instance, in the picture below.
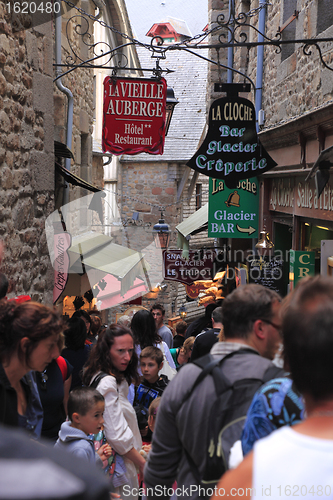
{"points": [[171, 102], [182, 311], [264, 241], [161, 234]]}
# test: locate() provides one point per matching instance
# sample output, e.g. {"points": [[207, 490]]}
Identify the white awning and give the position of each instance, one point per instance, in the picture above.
{"points": [[96, 251], [190, 225]]}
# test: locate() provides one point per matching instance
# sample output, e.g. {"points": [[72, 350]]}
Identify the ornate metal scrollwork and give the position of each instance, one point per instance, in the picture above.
{"points": [[229, 32], [102, 52], [307, 51]]}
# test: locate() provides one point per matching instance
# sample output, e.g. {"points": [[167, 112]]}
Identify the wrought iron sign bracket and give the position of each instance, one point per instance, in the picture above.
{"points": [[231, 29]]}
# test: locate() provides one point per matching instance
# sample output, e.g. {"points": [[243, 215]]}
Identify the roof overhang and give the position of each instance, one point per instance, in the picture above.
{"points": [[287, 134], [74, 179]]}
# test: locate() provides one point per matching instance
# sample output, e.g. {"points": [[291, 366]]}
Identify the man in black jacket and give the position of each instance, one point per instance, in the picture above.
{"points": [[205, 340]]}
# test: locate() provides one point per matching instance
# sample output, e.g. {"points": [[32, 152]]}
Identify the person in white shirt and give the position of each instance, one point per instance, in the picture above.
{"points": [[297, 460]]}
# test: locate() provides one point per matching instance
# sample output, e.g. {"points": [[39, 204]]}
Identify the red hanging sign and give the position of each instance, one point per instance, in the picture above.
{"points": [[62, 242], [134, 115]]}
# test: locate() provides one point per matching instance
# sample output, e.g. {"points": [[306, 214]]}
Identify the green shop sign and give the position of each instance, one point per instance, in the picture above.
{"points": [[233, 213], [302, 264]]}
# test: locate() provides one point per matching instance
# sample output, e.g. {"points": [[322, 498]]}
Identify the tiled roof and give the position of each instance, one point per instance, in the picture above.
{"points": [[189, 117], [188, 80]]}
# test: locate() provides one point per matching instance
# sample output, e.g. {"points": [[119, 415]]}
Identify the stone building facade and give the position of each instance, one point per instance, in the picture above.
{"points": [[295, 124], [34, 114], [26, 151]]}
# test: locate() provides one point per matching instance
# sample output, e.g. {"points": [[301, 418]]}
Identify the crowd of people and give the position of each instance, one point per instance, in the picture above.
{"points": [[212, 415]]}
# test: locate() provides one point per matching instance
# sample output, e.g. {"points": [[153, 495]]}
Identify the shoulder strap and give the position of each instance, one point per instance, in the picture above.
{"points": [[273, 372], [63, 367], [97, 379], [209, 362]]}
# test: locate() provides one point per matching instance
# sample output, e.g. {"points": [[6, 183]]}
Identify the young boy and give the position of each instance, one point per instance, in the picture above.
{"points": [[152, 412], [152, 384], [85, 414]]}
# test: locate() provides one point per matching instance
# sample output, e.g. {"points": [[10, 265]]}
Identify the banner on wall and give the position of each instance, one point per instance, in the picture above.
{"points": [[62, 242]]}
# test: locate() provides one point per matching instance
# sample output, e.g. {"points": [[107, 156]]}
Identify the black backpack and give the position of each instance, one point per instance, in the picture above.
{"points": [[227, 414]]}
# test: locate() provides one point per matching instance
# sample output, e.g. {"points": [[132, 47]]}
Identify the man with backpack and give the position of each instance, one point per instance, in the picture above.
{"points": [[203, 409]]}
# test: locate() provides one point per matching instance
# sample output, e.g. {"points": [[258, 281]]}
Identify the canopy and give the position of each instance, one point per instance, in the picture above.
{"points": [[194, 223], [100, 253], [82, 256]]}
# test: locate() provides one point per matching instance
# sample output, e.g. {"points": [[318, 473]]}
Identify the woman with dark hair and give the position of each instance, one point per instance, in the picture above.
{"points": [[145, 333], [76, 350], [29, 340], [144, 329], [87, 319], [111, 367]]}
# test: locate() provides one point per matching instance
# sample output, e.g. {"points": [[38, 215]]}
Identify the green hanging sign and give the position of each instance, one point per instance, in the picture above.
{"points": [[302, 264], [233, 213]]}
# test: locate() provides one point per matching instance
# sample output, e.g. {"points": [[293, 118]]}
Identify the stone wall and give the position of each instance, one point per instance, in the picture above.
{"points": [[299, 83], [26, 154], [146, 188], [33, 114], [80, 83]]}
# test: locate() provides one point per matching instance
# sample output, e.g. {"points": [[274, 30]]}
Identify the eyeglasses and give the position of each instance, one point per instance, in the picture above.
{"points": [[274, 325]]}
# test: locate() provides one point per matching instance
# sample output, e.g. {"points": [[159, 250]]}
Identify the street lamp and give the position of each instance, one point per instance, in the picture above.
{"points": [[161, 234], [182, 311], [171, 102]]}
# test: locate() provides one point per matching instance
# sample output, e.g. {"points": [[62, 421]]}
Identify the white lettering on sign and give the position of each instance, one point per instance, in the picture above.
{"points": [[222, 228], [137, 90], [136, 108], [131, 128], [129, 139], [303, 195], [218, 165], [306, 197], [225, 215], [246, 185]]}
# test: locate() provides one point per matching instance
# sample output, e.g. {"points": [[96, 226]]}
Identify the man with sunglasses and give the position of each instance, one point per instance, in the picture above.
{"points": [[252, 329]]}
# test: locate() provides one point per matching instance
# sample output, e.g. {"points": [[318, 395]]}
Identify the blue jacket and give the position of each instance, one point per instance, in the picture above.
{"points": [[76, 442]]}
